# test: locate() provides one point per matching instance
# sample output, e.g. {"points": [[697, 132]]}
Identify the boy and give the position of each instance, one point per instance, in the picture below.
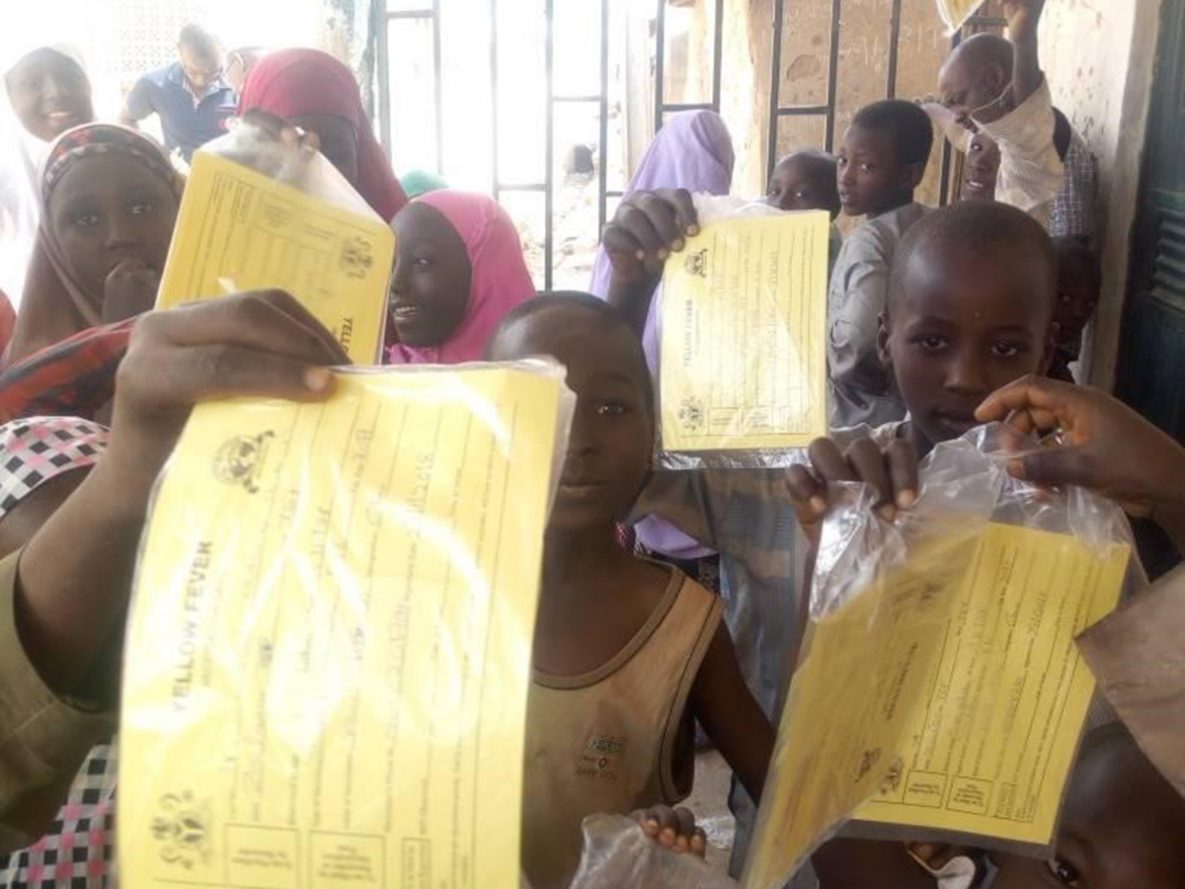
{"points": [[626, 652], [980, 169], [882, 160], [807, 180], [1079, 281], [992, 85]]}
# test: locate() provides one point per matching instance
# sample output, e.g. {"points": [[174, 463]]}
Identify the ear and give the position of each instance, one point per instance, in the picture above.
{"points": [[882, 342], [912, 176]]}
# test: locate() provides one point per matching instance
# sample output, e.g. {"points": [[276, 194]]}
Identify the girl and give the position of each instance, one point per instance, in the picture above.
{"points": [[459, 270], [627, 653], [316, 92], [109, 203], [45, 92]]}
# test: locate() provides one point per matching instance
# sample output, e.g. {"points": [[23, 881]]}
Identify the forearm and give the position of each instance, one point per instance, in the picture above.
{"points": [[1026, 66], [633, 301], [75, 575]]}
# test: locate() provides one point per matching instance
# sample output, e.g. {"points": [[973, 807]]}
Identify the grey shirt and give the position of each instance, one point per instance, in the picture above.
{"points": [[861, 391]]}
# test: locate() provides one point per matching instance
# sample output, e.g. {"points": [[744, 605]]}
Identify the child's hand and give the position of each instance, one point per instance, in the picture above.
{"points": [[1022, 16], [645, 230], [263, 344], [1106, 446], [892, 473], [673, 828]]}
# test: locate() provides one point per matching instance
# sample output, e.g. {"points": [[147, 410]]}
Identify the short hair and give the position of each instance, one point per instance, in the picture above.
{"points": [[978, 225], [906, 122], [820, 164], [198, 39], [579, 301], [984, 49]]}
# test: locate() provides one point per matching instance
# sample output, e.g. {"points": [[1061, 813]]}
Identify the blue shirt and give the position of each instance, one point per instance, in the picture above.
{"points": [[187, 123]]}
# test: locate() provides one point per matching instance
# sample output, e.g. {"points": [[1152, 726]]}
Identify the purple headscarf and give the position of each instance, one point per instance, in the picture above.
{"points": [[693, 150]]}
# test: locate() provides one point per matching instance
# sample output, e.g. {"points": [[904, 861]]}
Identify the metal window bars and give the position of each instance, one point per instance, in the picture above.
{"points": [[950, 163], [430, 14]]}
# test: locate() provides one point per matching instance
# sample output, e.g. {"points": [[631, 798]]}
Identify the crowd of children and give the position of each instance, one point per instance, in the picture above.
{"points": [[938, 320]]}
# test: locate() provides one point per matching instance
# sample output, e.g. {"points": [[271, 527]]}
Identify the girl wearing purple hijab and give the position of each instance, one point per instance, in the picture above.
{"points": [[692, 151]]}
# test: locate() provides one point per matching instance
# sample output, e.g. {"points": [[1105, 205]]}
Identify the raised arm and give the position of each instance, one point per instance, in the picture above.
{"points": [[647, 228], [1023, 17], [74, 576]]}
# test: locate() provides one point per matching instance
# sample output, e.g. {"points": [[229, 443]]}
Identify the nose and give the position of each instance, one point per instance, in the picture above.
{"points": [[582, 440], [120, 231], [847, 176], [52, 86], [965, 374], [400, 276]]}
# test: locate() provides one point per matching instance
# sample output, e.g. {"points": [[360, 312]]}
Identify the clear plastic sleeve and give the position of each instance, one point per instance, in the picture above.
{"points": [[330, 636], [932, 641], [618, 855], [955, 13], [741, 310]]}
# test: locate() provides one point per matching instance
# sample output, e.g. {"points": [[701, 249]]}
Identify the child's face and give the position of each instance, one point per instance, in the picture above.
{"points": [[430, 285], [1123, 827], [49, 93], [981, 169], [339, 141], [1077, 295], [612, 432], [107, 209], [965, 324], [798, 185], [871, 177]]}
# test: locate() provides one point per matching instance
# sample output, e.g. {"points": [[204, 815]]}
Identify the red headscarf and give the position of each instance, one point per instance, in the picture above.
{"points": [[293, 82]]}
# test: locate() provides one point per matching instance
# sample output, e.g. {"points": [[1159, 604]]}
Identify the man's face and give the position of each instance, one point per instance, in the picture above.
{"points": [[202, 68]]}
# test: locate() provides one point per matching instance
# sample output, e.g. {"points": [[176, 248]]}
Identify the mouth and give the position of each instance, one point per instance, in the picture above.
{"points": [[405, 312], [954, 422], [61, 118], [581, 488], [978, 186]]}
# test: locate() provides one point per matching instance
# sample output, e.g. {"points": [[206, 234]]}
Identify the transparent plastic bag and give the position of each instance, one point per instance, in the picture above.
{"points": [[742, 309], [934, 643], [329, 644], [618, 855], [263, 211]]}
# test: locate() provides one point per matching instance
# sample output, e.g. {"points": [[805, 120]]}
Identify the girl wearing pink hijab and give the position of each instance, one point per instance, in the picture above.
{"points": [[459, 270]]}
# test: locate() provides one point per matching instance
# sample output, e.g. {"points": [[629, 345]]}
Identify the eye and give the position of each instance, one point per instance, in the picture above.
{"points": [[801, 195], [866, 167], [1064, 873], [931, 342], [841, 161], [86, 220], [422, 263], [1004, 349], [611, 409], [141, 208], [1065, 299]]}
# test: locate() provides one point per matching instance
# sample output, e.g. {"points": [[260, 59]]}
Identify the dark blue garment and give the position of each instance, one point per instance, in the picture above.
{"points": [[185, 124]]}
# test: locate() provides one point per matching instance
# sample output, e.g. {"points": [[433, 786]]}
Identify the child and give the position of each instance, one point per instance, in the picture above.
{"points": [[970, 309], [1079, 281], [807, 180], [980, 168], [882, 160], [1123, 825], [459, 270], [44, 92], [627, 653], [110, 199], [313, 90]]}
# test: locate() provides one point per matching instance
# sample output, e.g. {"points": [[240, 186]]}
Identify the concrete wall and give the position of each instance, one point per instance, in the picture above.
{"points": [[1099, 56]]}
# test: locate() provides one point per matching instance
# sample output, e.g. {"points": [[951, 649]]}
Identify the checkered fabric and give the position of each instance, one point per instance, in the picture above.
{"points": [[77, 851], [37, 449]]}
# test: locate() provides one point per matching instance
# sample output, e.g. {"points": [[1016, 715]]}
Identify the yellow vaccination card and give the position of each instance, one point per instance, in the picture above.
{"points": [[946, 696], [329, 645], [743, 353], [240, 230]]}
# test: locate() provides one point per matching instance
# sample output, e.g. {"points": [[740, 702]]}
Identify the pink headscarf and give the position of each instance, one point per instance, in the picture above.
{"points": [[498, 277]]}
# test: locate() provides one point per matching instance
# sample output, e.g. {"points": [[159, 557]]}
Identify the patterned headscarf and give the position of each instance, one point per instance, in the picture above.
{"points": [[55, 305]]}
